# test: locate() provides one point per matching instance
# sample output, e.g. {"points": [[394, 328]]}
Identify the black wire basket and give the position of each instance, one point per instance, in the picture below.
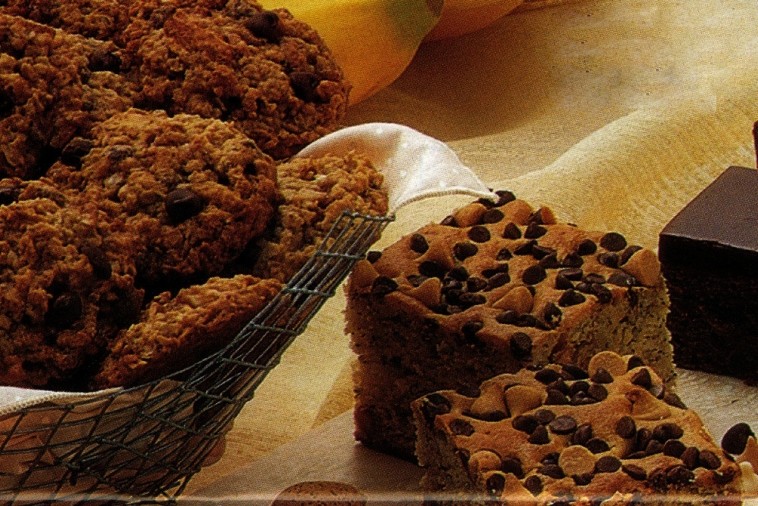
{"points": [[142, 445]]}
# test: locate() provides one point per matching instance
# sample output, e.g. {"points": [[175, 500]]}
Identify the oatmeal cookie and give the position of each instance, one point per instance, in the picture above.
{"points": [[176, 331], [263, 70], [315, 192], [193, 191], [53, 87], [62, 289]]}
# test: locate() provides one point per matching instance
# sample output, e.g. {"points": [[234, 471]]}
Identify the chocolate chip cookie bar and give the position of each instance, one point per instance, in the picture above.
{"points": [[176, 330], [314, 193], [194, 192], [609, 434], [497, 286], [709, 256]]}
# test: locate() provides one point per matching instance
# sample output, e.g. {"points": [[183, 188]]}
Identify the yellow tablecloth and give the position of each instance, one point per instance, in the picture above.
{"points": [[613, 112]]}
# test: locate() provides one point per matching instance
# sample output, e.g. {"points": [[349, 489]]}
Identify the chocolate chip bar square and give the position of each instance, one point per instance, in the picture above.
{"points": [[608, 434], [709, 257]]}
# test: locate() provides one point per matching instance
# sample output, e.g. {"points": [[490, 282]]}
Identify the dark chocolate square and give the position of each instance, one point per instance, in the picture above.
{"points": [[709, 258]]}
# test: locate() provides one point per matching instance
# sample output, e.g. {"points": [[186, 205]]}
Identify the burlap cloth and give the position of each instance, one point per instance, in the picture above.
{"points": [[613, 112]]}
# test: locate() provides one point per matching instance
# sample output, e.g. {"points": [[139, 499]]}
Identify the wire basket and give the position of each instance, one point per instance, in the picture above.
{"points": [[143, 444]]}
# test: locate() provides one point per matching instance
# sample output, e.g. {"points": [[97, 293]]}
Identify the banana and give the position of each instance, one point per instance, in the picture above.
{"points": [[372, 40], [460, 17]]}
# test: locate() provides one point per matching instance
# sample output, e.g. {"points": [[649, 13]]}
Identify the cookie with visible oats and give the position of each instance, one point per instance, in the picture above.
{"points": [[193, 192], [176, 330], [610, 434], [497, 286]]}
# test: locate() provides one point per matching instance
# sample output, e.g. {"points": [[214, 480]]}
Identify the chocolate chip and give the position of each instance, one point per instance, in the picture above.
{"points": [[679, 475], [603, 294], [563, 424], [563, 283], [601, 375], [304, 84], [628, 252], [552, 471], [552, 315], [64, 310], [76, 149], [613, 241], [495, 484], [464, 250], [571, 297], [622, 279], [504, 197], [572, 261], [690, 457], [633, 362], [555, 397], [182, 204], [597, 392], [653, 447], [709, 460], [597, 445], [609, 259], [492, 216], [383, 285], [635, 472], [511, 231], [539, 436], [544, 416], [672, 399], [586, 247], [582, 434], [476, 284], [104, 60], [533, 275], [550, 458], [449, 221], [520, 344], [507, 317], [534, 230], [642, 378], [525, 423], [497, 280], [582, 479], [626, 427], [607, 464], [373, 256], [460, 427], [503, 255], [435, 404], [431, 269], [667, 430], [574, 372], [470, 328], [513, 466], [101, 266], [525, 248], [418, 243], [265, 25], [478, 233], [533, 484], [547, 376], [642, 438], [735, 439]]}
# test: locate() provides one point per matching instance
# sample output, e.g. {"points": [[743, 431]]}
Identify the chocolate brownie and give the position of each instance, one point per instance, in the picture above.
{"points": [[314, 193], [53, 87], [175, 331], [709, 256], [495, 287], [610, 434], [194, 191], [62, 289]]}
